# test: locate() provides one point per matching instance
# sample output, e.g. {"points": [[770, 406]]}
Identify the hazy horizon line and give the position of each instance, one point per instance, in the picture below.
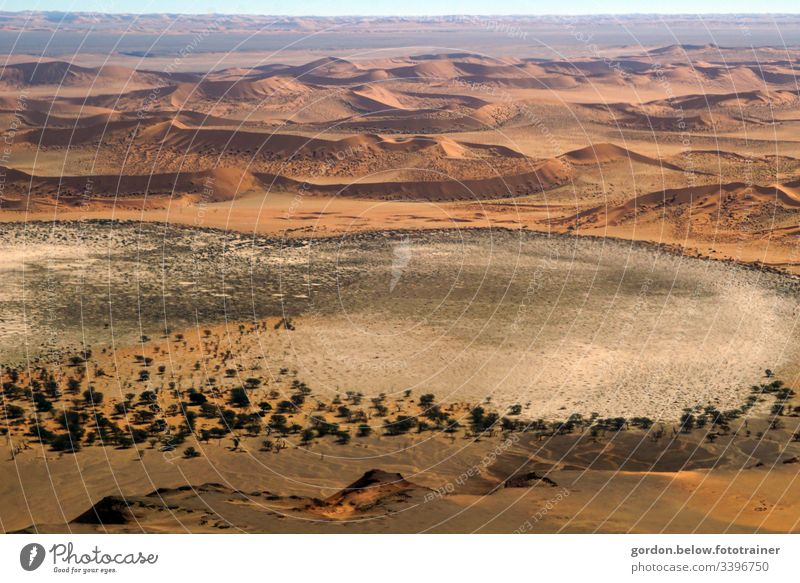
{"points": [[365, 15]]}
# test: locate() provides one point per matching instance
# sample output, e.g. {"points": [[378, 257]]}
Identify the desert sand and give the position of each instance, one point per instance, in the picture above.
{"points": [[554, 278]]}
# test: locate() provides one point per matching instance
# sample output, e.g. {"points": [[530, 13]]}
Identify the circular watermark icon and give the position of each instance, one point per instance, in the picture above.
{"points": [[32, 556]]}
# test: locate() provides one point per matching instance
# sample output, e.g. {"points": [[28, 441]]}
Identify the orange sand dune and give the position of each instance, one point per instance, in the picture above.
{"points": [[242, 89], [289, 146], [719, 204], [88, 133], [375, 98], [736, 99], [212, 185], [547, 175], [60, 73], [660, 116], [605, 153]]}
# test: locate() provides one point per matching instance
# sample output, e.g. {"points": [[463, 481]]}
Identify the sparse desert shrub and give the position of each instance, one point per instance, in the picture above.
{"points": [[239, 397], [14, 412], [285, 324], [508, 424], [476, 416], [278, 423], [322, 426], [196, 397], [307, 436], [403, 424], [92, 397], [426, 400], [65, 442], [451, 425], [687, 421], [42, 404]]}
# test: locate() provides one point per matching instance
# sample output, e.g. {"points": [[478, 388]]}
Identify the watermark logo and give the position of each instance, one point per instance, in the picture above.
{"points": [[31, 556]]}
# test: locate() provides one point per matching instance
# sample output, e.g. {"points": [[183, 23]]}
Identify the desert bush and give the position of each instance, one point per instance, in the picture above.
{"points": [[92, 397], [65, 442], [239, 397], [403, 424]]}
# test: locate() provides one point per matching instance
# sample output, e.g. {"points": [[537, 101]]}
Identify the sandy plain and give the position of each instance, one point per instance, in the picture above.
{"points": [[532, 226]]}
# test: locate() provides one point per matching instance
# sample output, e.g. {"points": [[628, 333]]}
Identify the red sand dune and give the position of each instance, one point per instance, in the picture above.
{"points": [[60, 73], [604, 153], [211, 185], [719, 203]]}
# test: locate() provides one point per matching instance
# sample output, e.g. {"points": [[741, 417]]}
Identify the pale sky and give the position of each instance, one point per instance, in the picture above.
{"points": [[406, 7]]}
